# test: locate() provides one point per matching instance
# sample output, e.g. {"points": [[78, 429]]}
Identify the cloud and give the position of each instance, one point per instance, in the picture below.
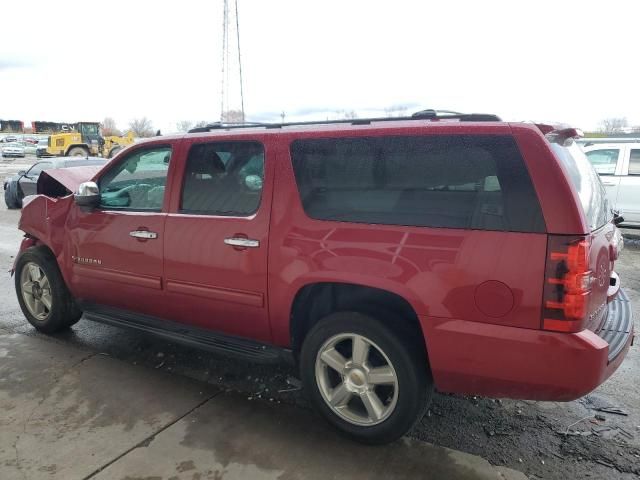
{"points": [[12, 63]]}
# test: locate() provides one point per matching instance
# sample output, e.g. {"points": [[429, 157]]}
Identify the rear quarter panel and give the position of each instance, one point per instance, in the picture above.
{"points": [[483, 276]]}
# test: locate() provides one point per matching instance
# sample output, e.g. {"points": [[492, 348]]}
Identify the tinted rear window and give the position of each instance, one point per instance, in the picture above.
{"points": [[586, 181], [451, 181]]}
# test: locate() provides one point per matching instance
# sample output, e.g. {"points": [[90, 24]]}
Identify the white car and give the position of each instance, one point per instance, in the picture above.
{"points": [[618, 165], [13, 149]]}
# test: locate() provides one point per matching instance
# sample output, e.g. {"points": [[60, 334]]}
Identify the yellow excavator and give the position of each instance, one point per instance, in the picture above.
{"points": [[83, 139]]}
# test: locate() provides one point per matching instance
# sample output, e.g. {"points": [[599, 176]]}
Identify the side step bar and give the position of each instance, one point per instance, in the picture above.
{"points": [[192, 336]]}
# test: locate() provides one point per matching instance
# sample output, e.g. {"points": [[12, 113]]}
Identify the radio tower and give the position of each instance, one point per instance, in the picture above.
{"points": [[231, 72]]}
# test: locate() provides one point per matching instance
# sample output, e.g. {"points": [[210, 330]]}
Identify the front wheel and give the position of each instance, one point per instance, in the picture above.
{"points": [[10, 198], [78, 152], [367, 379], [42, 294]]}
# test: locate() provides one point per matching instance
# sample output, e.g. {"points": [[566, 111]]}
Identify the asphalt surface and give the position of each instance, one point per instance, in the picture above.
{"points": [[548, 440]]}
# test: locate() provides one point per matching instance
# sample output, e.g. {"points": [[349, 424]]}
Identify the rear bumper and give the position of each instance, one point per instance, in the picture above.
{"points": [[498, 361]]}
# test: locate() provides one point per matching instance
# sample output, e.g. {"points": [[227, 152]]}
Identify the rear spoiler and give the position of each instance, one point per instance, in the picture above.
{"points": [[560, 134]]}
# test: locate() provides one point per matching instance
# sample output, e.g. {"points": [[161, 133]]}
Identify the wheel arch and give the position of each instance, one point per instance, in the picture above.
{"points": [[314, 301]]}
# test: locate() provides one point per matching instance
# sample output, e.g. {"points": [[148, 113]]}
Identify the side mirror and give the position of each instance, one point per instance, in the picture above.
{"points": [[88, 195], [22, 173]]}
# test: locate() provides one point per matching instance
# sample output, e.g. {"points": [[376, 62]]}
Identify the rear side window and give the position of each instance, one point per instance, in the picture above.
{"points": [[223, 178], [451, 181], [586, 182], [634, 162]]}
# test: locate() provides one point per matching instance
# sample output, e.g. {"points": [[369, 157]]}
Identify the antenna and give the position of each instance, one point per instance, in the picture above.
{"points": [[226, 70]]}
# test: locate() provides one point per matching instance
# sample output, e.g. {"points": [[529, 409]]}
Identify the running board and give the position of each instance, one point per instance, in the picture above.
{"points": [[192, 336]]}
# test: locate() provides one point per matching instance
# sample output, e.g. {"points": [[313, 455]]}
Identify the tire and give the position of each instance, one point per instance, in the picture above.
{"points": [[10, 199], [62, 312], [114, 151], [395, 355], [77, 152]]}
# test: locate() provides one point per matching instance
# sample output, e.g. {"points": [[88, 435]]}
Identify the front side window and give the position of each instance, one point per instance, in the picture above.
{"points": [[634, 162], [604, 161], [451, 181], [223, 178], [138, 182]]}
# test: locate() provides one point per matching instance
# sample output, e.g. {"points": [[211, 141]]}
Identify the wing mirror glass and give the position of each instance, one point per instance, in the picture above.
{"points": [[88, 195]]}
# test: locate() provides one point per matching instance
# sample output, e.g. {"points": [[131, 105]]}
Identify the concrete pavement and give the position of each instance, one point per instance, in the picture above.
{"points": [[68, 413]]}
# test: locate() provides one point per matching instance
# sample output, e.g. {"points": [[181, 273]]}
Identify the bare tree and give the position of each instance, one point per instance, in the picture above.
{"points": [[613, 124], [201, 123], [184, 125], [109, 127], [142, 127], [233, 116]]}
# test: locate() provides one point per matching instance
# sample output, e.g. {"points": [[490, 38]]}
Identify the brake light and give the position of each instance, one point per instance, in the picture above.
{"points": [[567, 289]]}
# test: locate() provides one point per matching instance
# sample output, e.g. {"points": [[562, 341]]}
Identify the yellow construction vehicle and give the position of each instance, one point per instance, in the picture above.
{"points": [[113, 143], [83, 139]]}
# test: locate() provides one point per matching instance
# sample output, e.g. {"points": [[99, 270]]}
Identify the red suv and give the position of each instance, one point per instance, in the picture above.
{"points": [[385, 257]]}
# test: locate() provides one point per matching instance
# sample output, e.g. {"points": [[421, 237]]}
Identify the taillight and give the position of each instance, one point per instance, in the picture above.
{"points": [[567, 287]]}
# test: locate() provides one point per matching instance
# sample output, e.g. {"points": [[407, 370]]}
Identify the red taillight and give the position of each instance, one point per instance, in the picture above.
{"points": [[567, 287]]}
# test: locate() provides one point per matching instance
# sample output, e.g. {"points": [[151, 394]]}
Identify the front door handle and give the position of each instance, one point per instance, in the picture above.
{"points": [[145, 234], [242, 242], [609, 184]]}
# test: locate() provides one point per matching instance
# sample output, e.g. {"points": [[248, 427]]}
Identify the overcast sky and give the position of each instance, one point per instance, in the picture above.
{"points": [[570, 61]]}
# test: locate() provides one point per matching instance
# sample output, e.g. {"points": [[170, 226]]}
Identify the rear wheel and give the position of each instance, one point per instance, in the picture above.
{"points": [[42, 294], [113, 151], [77, 152], [366, 379]]}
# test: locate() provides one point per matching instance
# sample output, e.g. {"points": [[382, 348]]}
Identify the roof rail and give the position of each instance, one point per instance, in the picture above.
{"points": [[421, 115]]}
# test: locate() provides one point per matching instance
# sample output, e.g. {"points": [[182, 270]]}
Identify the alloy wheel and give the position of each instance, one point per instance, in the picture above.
{"points": [[36, 291], [356, 379]]}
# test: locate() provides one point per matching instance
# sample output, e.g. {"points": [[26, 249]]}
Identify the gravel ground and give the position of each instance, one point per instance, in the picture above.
{"points": [[525, 435]]}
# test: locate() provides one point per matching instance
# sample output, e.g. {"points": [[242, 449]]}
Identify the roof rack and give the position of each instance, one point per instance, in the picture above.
{"points": [[421, 115]]}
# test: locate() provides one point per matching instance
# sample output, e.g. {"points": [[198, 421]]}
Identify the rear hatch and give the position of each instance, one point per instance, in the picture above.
{"points": [[580, 267]]}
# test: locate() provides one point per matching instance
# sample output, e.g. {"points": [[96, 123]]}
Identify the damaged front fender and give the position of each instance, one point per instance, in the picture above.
{"points": [[43, 216]]}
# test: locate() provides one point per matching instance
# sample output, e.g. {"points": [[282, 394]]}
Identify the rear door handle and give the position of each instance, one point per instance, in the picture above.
{"points": [[242, 242], [145, 234]]}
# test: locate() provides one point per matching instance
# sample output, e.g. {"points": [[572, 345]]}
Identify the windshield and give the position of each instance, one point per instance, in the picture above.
{"points": [[587, 183], [89, 129]]}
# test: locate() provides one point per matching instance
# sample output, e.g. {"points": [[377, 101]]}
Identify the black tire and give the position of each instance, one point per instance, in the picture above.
{"points": [[10, 198], [77, 152], [114, 151], [407, 356], [63, 312]]}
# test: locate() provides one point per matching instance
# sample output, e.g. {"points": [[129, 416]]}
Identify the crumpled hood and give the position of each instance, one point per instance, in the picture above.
{"points": [[59, 182]]}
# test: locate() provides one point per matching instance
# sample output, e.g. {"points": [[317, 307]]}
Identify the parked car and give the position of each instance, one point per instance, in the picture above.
{"points": [[10, 138], [24, 182], [385, 257], [618, 165], [41, 149], [29, 148], [13, 149]]}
